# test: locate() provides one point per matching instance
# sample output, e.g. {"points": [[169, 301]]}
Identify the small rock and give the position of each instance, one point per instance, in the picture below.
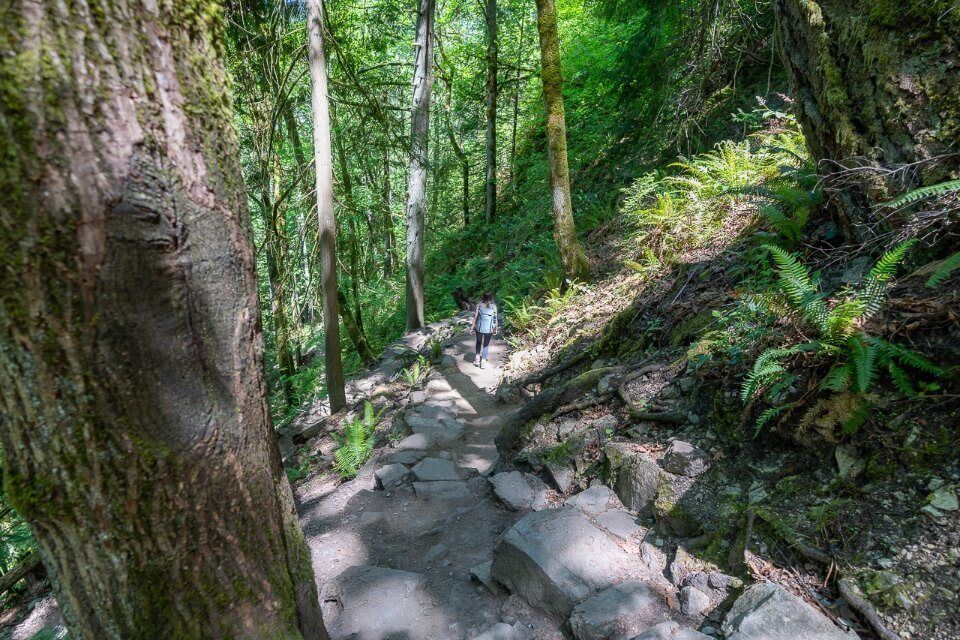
{"points": [[410, 456], [561, 475], [682, 458], [513, 490], [417, 441], [683, 565], [620, 611], [673, 631], [442, 490], [481, 573], [436, 551], [693, 602], [595, 500], [687, 384], [391, 476], [431, 469], [654, 557], [943, 499], [479, 486]]}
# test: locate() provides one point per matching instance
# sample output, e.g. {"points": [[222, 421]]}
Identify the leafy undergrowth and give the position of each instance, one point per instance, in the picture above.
{"points": [[819, 376]]}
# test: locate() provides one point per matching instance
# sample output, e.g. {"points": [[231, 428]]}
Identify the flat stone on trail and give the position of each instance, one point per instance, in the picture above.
{"points": [[672, 631], [441, 431], [391, 476], [409, 456], [415, 442], [766, 611], [555, 558], [513, 490], [402, 605], [617, 613], [682, 458], [595, 500], [442, 490], [503, 631], [430, 469], [620, 523]]}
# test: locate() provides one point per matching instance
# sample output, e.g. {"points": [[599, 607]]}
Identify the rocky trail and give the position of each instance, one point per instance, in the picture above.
{"points": [[438, 538]]}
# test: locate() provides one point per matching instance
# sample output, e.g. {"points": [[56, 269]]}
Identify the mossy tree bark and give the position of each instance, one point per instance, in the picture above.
{"points": [[417, 170], [323, 158], [490, 19], [574, 261], [136, 429], [876, 91]]}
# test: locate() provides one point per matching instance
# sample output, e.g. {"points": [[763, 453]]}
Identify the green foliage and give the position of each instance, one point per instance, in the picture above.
{"points": [[932, 191], [943, 270], [857, 357], [355, 444], [415, 373]]}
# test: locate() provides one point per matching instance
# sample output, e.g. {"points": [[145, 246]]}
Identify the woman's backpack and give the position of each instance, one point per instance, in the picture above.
{"points": [[486, 318]]}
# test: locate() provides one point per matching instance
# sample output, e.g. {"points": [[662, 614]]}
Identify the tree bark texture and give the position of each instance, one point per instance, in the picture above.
{"points": [[457, 150], [574, 261], [323, 159], [389, 237], [136, 431], [490, 17], [417, 170], [355, 332], [877, 87]]}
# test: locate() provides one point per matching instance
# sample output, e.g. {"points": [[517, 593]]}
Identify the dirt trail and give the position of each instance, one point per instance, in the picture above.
{"points": [[440, 538]]}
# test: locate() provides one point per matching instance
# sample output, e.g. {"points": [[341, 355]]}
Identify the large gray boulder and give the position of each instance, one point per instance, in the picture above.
{"points": [[403, 606], [672, 631], [618, 612], [639, 479], [766, 611], [555, 558]]}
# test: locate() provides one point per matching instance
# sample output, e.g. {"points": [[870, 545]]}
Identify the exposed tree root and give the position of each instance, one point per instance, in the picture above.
{"points": [[579, 406], [851, 593]]}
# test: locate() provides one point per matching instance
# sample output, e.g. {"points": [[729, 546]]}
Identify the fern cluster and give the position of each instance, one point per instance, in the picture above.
{"points": [[355, 444], [857, 357]]}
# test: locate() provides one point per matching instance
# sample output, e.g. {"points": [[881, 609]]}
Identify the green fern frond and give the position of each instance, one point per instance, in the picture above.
{"points": [[780, 222], [861, 413], [902, 380], [837, 379], [946, 267], [842, 319], [943, 188], [890, 352], [770, 414], [798, 284], [889, 262], [863, 362]]}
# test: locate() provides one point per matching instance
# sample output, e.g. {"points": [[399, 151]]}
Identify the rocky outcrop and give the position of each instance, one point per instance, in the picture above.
{"points": [[618, 612], [555, 558], [766, 611]]}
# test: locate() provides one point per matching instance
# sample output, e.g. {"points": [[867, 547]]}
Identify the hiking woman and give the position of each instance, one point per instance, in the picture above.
{"points": [[485, 323]]}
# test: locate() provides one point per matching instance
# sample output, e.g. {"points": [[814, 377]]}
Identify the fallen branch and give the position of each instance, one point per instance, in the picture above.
{"points": [[671, 417], [19, 572], [536, 378], [851, 593], [579, 406]]}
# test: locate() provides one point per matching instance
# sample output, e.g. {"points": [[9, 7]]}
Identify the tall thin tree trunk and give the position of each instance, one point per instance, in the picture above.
{"points": [[389, 237], [355, 332], [293, 132], [136, 434], [876, 89], [323, 160], [516, 104], [575, 265], [457, 149], [490, 17], [417, 172]]}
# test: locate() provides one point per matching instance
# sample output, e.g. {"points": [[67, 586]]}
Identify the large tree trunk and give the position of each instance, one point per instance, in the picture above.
{"points": [[490, 18], [136, 431], [323, 159], [575, 265], [417, 171], [876, 89]]}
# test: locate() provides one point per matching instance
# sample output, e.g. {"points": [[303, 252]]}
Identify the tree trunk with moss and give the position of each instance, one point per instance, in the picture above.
{"points": [[575, 265], [327, 241], [877, 94], [136, 432], [417, 171]]}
